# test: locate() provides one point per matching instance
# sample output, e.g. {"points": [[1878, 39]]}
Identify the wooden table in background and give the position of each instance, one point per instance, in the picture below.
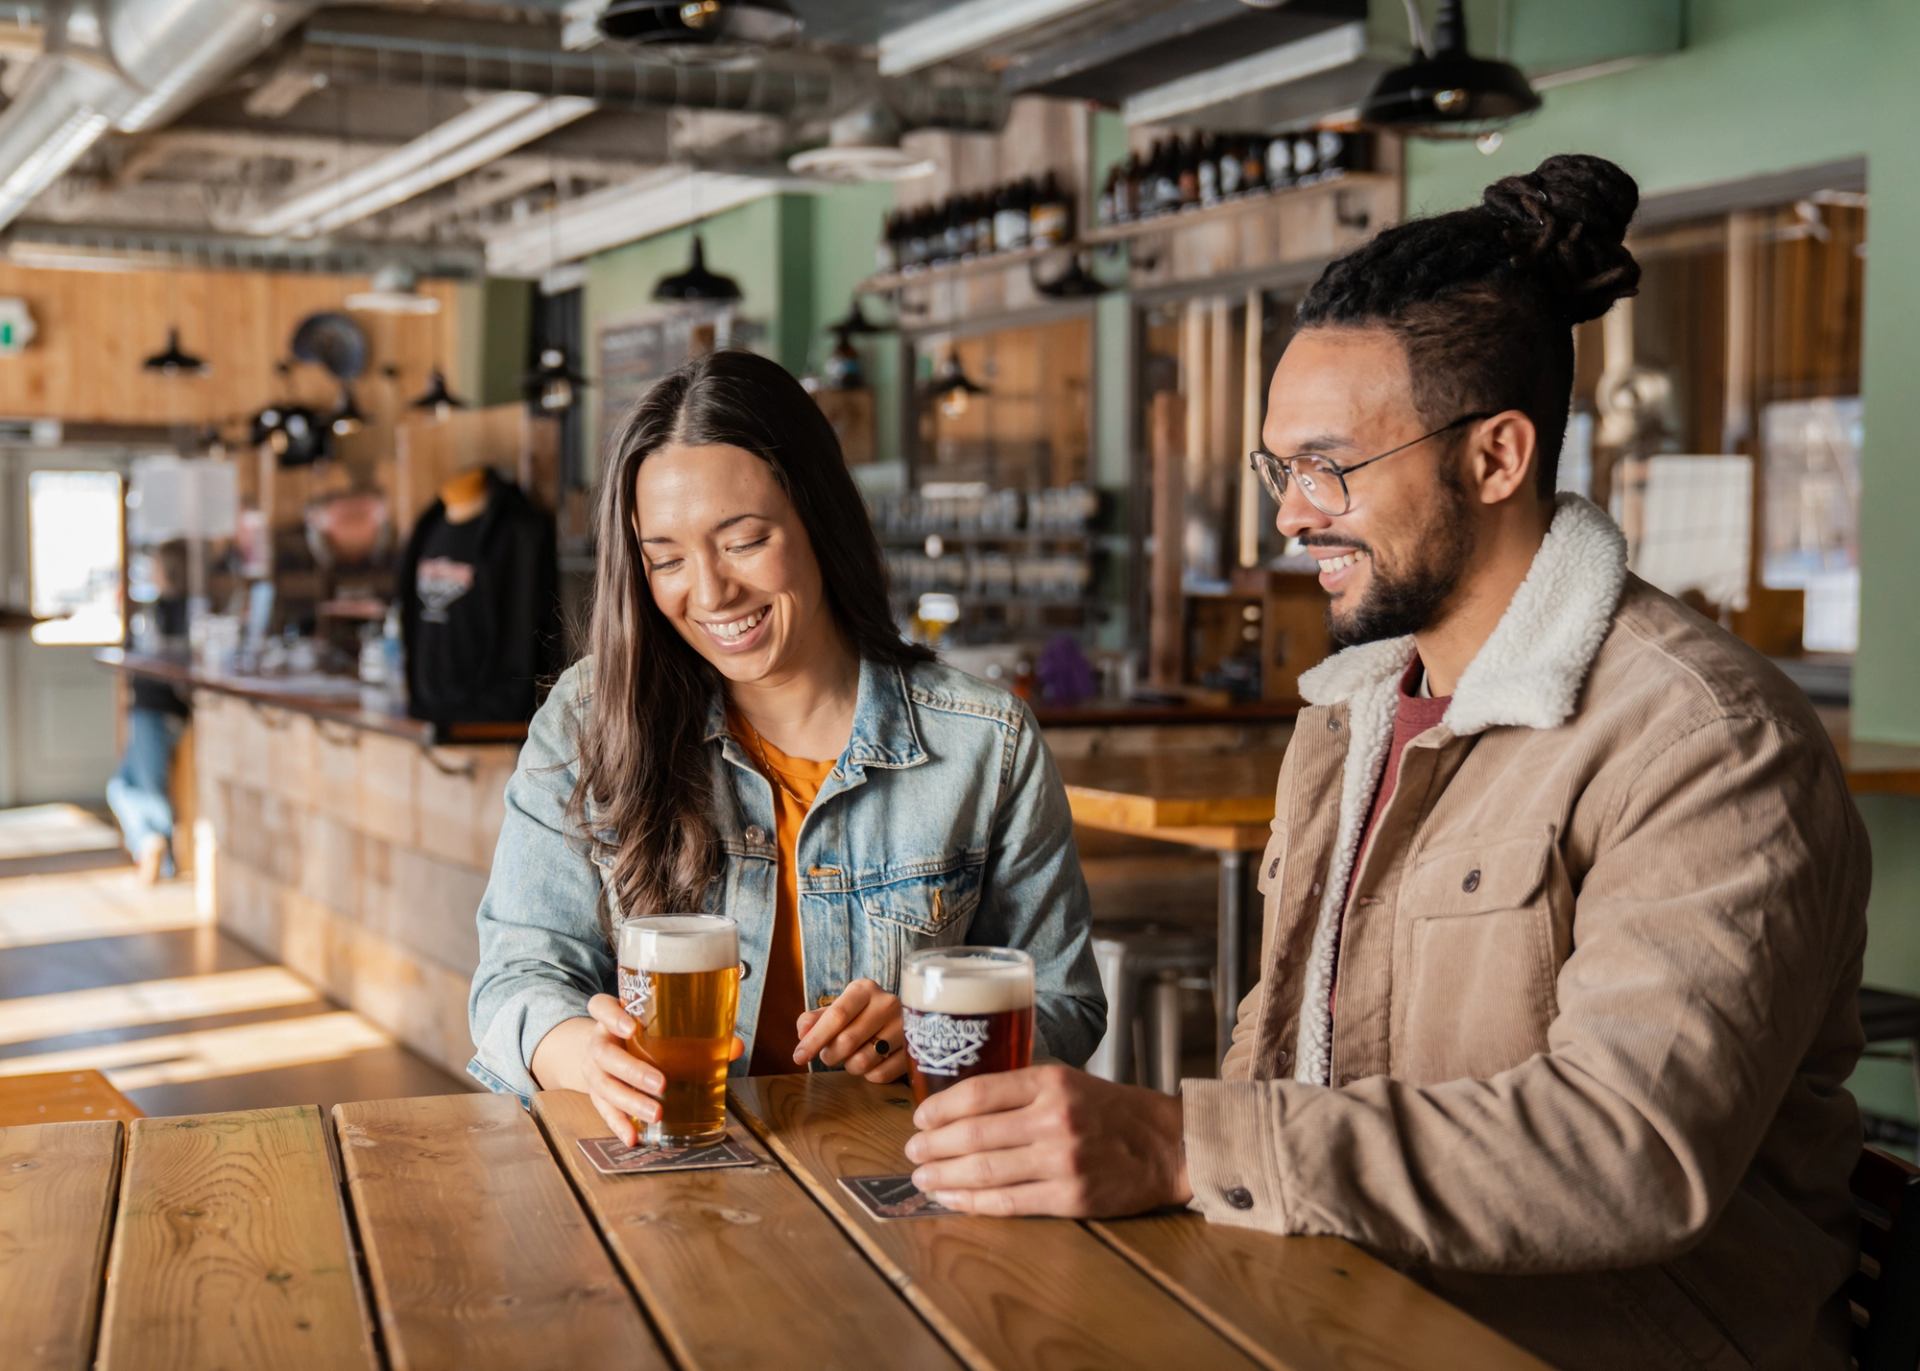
{"points": [[462, 1231], [1222, 803]]}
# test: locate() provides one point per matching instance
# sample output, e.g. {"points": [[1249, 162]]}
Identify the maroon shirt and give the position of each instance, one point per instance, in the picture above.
{"points": [[1412, 716]]}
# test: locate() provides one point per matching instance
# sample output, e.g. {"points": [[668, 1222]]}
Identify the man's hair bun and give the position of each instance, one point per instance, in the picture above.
{"points": [[1565, 224]]}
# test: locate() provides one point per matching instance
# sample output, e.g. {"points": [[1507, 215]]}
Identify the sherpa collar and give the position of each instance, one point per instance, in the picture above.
{"points": [[1529, 672]]}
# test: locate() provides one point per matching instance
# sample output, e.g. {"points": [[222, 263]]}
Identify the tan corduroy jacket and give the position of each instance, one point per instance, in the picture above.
{"points": [[1596, 986]]}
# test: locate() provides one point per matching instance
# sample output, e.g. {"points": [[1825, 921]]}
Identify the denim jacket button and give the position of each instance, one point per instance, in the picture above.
{"points": [[1239, 1197], [756, 834]]}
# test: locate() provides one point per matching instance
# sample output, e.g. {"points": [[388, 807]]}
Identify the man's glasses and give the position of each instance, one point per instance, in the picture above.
{"points": [[1324, 482]]}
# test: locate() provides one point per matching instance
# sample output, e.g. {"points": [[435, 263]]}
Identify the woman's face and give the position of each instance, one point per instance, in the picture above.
{"points": [[728, 561]]}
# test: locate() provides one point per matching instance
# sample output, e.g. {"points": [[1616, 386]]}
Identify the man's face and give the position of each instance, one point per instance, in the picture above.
{"points": [[1393, 561]]}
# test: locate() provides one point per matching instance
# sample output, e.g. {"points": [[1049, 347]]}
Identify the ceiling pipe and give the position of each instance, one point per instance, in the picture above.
{"points": [[125, 64], [495, 58]]}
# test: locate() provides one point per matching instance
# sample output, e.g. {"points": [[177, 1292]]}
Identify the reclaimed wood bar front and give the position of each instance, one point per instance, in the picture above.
{"points": [[461, 1231]]}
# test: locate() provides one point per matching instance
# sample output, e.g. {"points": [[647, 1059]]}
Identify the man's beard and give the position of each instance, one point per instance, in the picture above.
{"points": [[1396, 604]]}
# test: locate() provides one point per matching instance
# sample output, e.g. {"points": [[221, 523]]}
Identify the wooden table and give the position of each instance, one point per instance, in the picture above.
{"points": [[460, 1231], [1222, 803]]}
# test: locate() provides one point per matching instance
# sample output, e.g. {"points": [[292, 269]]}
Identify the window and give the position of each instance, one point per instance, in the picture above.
{"points": [[74, 552]]}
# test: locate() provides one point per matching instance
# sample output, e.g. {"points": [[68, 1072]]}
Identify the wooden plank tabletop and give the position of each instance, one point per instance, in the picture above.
{"points": [[1030, 1293], [1307, 1304], [57, 1183], [478, 1254], [1169, 790], [486, 1240], [230, 1249], [815, 1301]]}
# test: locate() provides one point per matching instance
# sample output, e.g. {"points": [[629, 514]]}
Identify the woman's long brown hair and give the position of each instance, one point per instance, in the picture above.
{"points": [[643, 758]]}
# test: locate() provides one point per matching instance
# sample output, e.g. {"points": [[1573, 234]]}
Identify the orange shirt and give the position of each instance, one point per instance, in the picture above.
{"points": [[783, 996]]}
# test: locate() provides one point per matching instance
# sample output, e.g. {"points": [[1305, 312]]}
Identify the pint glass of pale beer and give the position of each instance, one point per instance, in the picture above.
{"points": [[680, 982], [968, 1011]]}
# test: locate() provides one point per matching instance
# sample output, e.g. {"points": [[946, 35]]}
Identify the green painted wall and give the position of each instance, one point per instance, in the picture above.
{"points": [[1766, 86], [743, 243]]}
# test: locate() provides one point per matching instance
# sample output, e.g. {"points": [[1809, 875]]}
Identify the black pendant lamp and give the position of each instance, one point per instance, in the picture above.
{"points": [[436, 398], [953, 388], [699, 23], [1075, 283], [553, 387], [346, 418], [1448, 92], [696, 285], [173, 360], [854, 323]]}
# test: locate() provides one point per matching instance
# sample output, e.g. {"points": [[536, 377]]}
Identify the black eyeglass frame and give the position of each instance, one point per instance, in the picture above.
{"points": [[1275, 472]]}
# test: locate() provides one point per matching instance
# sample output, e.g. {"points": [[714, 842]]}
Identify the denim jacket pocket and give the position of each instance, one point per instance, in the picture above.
{"points": [[931, 906]]}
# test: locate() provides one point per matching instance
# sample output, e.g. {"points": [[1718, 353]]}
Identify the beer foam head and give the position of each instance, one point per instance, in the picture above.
{"points": [[679, 943], [967, 981]]}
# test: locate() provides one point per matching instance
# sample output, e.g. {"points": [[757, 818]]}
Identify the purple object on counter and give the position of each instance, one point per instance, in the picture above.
{"points": [[1066, 676]]}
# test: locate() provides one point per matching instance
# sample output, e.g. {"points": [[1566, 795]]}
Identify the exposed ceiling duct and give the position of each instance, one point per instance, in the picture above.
{"points": [[125, 64]]}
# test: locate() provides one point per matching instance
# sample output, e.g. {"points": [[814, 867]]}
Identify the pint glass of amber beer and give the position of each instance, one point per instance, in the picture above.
{"points": [[968, 1010], [680, 980]]}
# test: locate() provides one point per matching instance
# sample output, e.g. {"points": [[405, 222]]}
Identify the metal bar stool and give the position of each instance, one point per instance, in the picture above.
{"points": [[1142, 970]]}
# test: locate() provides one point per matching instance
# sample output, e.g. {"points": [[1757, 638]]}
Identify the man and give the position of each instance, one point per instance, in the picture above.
{"points": [[1564, 902]]}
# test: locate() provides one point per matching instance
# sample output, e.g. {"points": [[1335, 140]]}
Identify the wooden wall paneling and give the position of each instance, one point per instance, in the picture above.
{"points": [[388, 788], [1166, 425]]}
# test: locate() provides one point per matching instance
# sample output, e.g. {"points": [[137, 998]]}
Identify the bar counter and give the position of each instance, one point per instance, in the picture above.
{"points": [[344, 841]]}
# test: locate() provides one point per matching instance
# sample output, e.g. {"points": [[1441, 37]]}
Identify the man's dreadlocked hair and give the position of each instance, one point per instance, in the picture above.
{"points": [[1485, 299]]}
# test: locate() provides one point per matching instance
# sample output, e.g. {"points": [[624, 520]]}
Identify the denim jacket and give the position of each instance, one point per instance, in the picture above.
{"points": [[943, 822]]}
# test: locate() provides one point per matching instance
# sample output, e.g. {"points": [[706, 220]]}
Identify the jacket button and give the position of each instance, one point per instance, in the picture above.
{"points": [[746, 968], [1333, 724], [1273, 867], [756, 834], [1283, 1059], [1239, 1197], [822, 1001], [1472, 883]]}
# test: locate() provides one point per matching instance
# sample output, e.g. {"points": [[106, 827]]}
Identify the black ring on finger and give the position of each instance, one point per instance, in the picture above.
{"points": [[881, 1045]]}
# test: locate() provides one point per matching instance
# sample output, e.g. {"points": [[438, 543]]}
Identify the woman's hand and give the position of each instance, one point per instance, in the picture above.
{"points": [[591, 1055], [862, 1031]]}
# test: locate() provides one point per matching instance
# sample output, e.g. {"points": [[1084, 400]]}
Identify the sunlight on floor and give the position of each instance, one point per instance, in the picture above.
{"points": [[36, 910], [150, 1002], [41, 830], [208, 1053]]}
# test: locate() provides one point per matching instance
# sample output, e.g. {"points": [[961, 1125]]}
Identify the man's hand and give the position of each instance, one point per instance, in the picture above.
{"points": [[1050, 1140]]}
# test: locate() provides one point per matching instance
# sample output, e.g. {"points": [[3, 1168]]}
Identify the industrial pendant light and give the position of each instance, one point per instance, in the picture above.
{"points": [[346, 418], [699, 23], [696, 285], [172, 360], [855, 322], [553, 387], [436, 397], [1445, 91], [953, 388]]}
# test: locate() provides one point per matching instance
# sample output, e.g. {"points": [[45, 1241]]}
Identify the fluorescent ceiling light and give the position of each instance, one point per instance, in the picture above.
{"points": [[1323, 52], [490, 130], [960, 29], [625, 213]]}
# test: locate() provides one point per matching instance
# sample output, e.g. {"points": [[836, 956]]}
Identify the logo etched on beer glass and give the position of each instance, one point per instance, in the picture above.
{"points": [[680, 981], [968, 1011]]}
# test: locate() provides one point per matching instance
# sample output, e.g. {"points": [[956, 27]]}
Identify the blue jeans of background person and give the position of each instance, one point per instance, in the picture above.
{"points": [[138, 793]]}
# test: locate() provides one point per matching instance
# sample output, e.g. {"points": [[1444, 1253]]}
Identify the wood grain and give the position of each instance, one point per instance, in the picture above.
{"points": [[57, 1184], [815, 1300], [1028, 1293], [477, 1252], [62, 1097], [230, 1249], [1139, 793], [1307, 1304]]}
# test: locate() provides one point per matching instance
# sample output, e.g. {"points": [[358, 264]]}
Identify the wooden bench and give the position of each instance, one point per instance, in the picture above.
{"points": [[62, 1097]]}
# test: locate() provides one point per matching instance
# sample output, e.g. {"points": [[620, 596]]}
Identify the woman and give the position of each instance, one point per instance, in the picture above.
{"points": [[750, 736]]}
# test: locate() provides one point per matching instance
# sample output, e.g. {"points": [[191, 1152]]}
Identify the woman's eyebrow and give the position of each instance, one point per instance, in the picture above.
{"points": [[724, 524]]}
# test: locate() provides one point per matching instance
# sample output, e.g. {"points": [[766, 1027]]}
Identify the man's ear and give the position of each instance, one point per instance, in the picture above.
{"points": [[1501, 453]]}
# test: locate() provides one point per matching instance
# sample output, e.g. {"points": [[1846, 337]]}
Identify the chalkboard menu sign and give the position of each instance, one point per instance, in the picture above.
{"points": [[636, 353]]}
